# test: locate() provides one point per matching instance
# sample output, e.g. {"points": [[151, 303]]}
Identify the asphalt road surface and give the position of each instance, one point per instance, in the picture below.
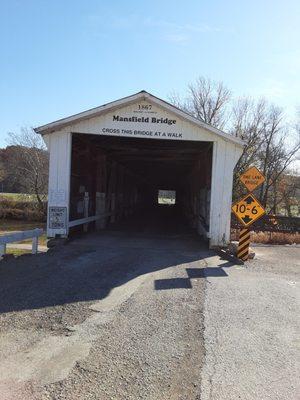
{"points": [[252, 328], [149, 316]]}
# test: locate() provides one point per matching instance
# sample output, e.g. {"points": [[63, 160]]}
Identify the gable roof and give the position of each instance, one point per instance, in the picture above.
{"points": [[143, 95]]}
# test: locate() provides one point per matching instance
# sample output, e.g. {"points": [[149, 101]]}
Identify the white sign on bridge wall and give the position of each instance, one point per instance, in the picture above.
{"points": [[57, 196], [58, 217], [142, 120]]}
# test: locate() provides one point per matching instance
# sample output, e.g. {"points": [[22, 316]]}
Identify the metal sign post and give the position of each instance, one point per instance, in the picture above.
{"points": [[248, 209]]}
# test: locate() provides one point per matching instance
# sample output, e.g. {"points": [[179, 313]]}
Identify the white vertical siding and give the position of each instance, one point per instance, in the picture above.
{"points": [[59, 146], [216, 192], [225, 156]]}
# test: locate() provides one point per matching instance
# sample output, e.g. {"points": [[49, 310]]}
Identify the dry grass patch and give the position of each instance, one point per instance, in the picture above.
{"points": [[17, 252], [269, 237]]}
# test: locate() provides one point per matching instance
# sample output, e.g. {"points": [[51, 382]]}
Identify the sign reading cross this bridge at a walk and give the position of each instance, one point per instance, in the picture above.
{"points": [[252, 178], [248, 210]]}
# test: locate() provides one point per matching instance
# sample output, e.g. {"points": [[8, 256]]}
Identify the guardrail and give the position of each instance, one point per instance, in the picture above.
{"points": [[18, 237], [86, 220], [271, 223]]}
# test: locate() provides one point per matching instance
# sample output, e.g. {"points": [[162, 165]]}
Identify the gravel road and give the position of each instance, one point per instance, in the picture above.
{"points": [[109, 316]]}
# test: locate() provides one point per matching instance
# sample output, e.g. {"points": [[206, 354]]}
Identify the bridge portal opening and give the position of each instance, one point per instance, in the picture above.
{"points": [[167, 197], [127, 179]]}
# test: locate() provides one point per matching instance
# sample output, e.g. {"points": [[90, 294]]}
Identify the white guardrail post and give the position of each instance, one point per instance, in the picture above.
{"points": [[35, 245], [18, 237]]}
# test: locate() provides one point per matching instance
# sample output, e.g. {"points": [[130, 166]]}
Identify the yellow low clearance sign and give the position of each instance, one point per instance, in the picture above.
{"points": [[248, 209]]}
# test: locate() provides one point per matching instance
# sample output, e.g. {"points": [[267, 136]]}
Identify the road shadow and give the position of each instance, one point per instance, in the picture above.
{"points": [[205, 272], [186, 283], [87, 269], [230, 258], [174, 283], [82, 271]]}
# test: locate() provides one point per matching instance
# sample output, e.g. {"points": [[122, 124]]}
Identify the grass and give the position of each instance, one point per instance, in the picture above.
{"points": [[21, 206], [269, 237], [17, 197], [163, 200], [9, 225], [17, 252]]}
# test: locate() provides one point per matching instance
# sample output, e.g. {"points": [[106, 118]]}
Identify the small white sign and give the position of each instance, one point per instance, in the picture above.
{"points": [[58, 217], [58, 196]]}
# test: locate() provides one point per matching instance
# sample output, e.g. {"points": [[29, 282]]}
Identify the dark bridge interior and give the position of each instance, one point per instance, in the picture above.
{"points": [[129, 172]]}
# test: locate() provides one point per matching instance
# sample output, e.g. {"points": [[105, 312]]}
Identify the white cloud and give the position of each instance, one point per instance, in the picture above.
{"points": [[168, 31], [180, 38], [179, 33], [288, 62], [200, 28], [281, 92], [274, 89]]}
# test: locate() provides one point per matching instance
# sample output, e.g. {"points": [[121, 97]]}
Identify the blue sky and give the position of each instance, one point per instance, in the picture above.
{"points": [[62, 57]]}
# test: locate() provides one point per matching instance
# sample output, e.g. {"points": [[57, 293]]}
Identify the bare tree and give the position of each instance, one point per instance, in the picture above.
{"points": [[280, 148], [2, 175], [248, 122], [30, 162], [286, 194], [268, 137], [207, 100]]}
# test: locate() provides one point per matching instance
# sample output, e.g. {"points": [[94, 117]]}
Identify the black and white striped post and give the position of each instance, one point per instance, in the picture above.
{"points": [[244, 243]]}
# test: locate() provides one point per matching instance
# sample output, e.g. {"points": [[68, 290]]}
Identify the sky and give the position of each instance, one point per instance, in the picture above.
{"points": [[58, 57]]}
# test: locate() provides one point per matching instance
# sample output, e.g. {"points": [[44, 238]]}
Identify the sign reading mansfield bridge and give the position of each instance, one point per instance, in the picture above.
{"points": [[152, 120], [143, 120]]}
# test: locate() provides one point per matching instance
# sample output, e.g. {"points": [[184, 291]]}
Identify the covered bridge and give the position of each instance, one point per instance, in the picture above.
{"points": [[108, 162]]}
